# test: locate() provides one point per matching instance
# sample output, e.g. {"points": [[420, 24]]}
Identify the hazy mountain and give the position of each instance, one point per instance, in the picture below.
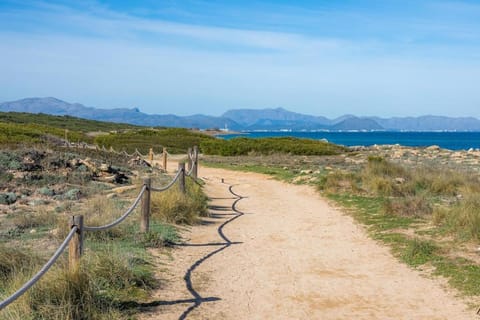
{"points": [[429, 123], [250, 117], [355, 123], [133, 116], [269, 124], [242, 119]]}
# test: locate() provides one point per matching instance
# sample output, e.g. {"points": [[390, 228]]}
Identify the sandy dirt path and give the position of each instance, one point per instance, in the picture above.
{"points": [[287, 254]]}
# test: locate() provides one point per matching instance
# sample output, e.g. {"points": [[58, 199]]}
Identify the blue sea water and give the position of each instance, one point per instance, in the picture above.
{"points": [[446, 140]]}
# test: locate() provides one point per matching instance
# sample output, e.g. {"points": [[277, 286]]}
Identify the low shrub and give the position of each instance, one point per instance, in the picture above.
{"points": [[418, 252], [14, 261], [408, 206], [462, 218], [267, 146], [174, 207], [340, 182]]}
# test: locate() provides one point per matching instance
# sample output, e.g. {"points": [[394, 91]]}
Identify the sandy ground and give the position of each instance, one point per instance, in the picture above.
{"points": [[282, 252]]}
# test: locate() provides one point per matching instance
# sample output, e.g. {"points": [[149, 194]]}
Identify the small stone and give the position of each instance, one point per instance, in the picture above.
{"points": [[37, 202], [306, 171], [33, 231], [104, 167]]}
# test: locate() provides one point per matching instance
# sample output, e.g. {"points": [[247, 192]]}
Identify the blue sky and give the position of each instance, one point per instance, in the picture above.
{"points": [[384, 58]]}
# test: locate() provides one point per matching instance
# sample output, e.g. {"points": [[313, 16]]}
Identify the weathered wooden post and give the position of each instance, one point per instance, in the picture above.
{"points": [[189, 159], [164, 158], [150, 156], [195, 162], [181, 182], [145, 215], [75, 247]]}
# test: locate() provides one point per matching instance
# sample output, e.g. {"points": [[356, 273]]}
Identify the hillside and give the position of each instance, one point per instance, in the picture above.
{"points": [[133, 116]]}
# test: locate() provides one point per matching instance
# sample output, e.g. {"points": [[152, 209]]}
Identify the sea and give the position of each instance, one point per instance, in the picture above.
{"points": [[446, 140]]}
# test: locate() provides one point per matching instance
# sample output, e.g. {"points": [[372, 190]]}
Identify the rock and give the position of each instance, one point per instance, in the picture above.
{"points": [[299, 180], [8, 198], [306, 171], [328, 168], [37, 202], [33, 231], [137, 161], [88, 162], [54, 232], [105, 167], [433, 148], [73, 163]]}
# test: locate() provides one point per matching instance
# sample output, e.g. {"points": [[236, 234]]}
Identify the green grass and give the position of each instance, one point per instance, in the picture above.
{"points": [[462, 274], [116, 270], [62, 122], [265, 146], [172, 206], [32, 133], [176, 140], [276, 172]]}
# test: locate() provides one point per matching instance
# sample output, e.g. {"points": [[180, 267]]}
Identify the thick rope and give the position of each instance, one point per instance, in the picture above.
{"points": [[42, 271], [123, 217], [169, 185]]}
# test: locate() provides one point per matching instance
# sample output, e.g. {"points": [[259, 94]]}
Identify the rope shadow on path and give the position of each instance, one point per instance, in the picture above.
{"points": [[198, 299]]}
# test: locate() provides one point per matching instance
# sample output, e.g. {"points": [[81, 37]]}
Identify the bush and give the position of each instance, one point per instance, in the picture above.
{"points": [[409, 206], [419, 252], [14, 260], [267, 146], [463, 218], [176, 140], [174, 207], [337, 181]]}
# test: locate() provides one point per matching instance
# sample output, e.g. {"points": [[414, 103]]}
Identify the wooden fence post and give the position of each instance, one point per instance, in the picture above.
{"points": [[181, 184], [189, 159], [164, 158], [195, 162], [75, 247], [150, 156], [145, 215]]}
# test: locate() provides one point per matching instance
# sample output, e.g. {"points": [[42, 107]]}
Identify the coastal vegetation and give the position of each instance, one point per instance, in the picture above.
{"points": [[176, 140], [41, 188], [266, 146]]}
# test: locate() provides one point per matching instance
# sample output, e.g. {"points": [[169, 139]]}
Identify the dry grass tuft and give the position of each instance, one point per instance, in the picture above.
{"points": [[174, 207]]}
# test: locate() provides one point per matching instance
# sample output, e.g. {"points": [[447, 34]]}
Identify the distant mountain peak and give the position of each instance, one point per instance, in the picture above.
{"points": [[242, 119]]}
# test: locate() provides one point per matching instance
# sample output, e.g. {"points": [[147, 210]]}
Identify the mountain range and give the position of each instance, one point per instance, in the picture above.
{"points": [[244, 119]]}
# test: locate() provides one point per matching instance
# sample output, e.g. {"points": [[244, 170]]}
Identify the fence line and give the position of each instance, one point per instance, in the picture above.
{"points": [[75, 237], [42, 271], [121, 218]]}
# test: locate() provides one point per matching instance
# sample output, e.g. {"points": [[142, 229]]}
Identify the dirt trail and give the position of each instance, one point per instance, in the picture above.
{"points": [[287, 254]]}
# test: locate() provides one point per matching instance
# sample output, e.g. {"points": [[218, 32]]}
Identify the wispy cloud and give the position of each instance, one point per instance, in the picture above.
{"points": [[380, 64]]}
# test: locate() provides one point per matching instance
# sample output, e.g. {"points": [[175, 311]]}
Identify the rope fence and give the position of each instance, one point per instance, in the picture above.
{"points": [[74, 239]]}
